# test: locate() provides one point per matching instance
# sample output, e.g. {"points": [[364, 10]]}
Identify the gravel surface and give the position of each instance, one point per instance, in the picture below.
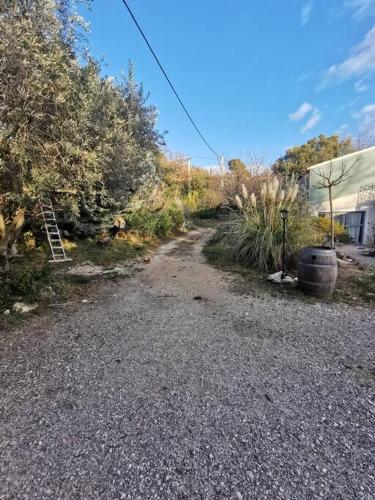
{"points": [[171, 385]]}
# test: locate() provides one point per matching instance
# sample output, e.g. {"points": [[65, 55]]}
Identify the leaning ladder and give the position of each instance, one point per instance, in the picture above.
{"points": [[52, 231]]}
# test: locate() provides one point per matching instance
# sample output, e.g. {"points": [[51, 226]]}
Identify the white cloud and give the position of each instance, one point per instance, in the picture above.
{"points": [[360, 86], [342, 129], [306, 13], [366, 115], [306, 109], [314, 120], [301, 112], [360, 8], [361, 62], [348, 105]]}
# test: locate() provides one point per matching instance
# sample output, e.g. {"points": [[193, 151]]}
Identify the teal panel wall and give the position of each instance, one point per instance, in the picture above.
{"points": [[363, 172]]}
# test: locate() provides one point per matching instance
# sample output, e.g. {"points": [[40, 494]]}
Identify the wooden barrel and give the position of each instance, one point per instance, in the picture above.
{"points": [[317, 271]]}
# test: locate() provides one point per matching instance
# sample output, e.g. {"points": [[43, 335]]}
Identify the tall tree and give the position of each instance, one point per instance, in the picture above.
{"points": [[322, 148], [237, 167], [62, 125], [329, 178]]}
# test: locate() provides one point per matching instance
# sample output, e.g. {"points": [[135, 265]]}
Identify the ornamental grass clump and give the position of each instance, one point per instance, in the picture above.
{"points": [[254, 234]]}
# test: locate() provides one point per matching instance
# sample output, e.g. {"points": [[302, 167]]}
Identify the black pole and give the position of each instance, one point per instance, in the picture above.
{"points": [[283, 269]]}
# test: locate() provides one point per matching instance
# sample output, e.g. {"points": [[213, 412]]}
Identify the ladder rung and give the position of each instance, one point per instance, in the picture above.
{"points": [[53, 232]]}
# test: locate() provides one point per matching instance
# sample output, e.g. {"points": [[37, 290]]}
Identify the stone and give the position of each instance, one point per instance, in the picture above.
{"points": [[24, 308], [287, 280], [275, 277]]}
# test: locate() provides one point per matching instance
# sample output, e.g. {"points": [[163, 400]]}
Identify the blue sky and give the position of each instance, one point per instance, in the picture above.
{"points": [[257, 76]]}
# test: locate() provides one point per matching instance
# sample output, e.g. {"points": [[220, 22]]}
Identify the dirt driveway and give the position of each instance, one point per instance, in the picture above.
{"points": [[172, 385]]}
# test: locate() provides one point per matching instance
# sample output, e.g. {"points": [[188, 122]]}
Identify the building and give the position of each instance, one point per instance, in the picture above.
{"points": [[353, 199]]}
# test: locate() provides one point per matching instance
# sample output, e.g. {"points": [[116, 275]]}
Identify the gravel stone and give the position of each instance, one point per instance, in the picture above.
{"points": [[147, 394]]}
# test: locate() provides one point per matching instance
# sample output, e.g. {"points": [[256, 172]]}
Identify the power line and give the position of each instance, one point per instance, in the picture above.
{"points": [[168, 80]]}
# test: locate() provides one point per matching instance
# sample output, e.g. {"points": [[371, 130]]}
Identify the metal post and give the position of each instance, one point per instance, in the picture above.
{"points": [[283, 269], [189, 173], [222, 172]]}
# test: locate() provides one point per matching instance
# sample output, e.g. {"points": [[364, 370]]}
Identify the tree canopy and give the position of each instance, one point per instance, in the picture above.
{"points": [[64, 126], [237, 166], [322, 148]]}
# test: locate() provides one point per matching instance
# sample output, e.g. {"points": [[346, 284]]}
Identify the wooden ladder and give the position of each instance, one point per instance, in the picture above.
{"points": [[52, 231]]}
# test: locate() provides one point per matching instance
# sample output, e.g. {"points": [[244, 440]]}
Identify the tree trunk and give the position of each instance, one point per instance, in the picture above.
{"points": [[8, 237], [331, 217]]}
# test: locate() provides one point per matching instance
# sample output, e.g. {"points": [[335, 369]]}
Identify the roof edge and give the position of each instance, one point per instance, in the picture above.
{"points": [[342, 157]]}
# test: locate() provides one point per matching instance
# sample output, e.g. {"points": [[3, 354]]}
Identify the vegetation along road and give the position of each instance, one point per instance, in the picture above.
{"points": [[172, 384]]}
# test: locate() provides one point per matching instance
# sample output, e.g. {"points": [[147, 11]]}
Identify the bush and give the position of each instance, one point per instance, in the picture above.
{"points": [[29, 282], [5, 296], [254, 235], [156, 223], [163, 224], [26, 284], [323, 225], [177, 216], [206, 213]]}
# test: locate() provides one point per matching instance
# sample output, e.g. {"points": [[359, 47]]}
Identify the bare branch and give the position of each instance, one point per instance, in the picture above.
{"points": [[329, 180]]}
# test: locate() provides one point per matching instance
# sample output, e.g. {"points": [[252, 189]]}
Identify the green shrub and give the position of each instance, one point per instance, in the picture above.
{"points": [[25, 284], [206, 213], [192, 200], [323, 225], [28, 283], [158, 224], [177, 216], [5, 296], [163, 224]]}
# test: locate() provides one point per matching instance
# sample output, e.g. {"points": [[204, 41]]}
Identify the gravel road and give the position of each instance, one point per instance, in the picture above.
{"points": [[173, 385]]}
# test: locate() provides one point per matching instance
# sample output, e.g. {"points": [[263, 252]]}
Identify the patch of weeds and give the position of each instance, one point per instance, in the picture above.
{"points": [[25, 284], [28, 283], [117, 251], [366, 285], [5, 296]]}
